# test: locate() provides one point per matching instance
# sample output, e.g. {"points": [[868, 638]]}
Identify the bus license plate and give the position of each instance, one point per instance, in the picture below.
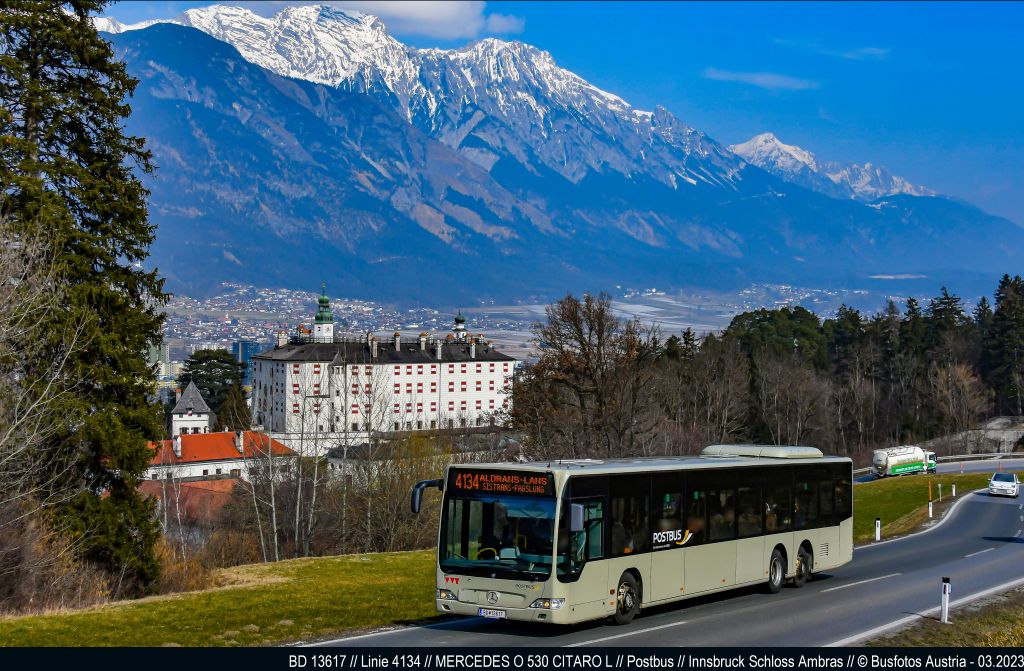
{"points": [[492, 613]]}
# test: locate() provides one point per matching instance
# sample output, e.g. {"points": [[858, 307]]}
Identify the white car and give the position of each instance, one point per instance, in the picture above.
{"points": [[1004, 484]]}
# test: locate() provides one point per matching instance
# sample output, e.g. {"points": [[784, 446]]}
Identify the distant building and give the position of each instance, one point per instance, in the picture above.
{"points": [[160, 356], [190, 414], [244, 351], [318, 390], [213, 455]]}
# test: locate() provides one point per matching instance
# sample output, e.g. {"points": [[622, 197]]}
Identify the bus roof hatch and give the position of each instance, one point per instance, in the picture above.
{"points": [[764, 451]]}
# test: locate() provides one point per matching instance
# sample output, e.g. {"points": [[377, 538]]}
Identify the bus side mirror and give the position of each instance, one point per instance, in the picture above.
{"points": [[575, 517], [417, 493]]}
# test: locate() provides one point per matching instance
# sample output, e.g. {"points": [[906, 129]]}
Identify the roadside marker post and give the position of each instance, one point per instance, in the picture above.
{"points": [[940, 492], [947, 589], [961, 468], [929, 510], [954, 490], [878, 529]]}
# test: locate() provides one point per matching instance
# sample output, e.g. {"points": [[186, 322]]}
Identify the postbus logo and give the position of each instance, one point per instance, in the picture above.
{"points": [[677, 536]]}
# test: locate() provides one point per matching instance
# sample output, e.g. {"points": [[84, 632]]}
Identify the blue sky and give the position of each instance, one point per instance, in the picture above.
{"points": [[934, 92]]}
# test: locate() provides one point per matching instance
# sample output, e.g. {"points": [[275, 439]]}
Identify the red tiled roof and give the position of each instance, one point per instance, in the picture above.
{"points": [[199, 501], [199, 447]]}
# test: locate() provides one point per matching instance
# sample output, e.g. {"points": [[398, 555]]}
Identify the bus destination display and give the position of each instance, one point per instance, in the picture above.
{"points": [[519, 483]]}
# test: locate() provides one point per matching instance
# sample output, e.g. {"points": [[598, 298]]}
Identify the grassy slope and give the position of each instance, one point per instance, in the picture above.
{"points": [[998, 621], [310, 598], [298, 599]]}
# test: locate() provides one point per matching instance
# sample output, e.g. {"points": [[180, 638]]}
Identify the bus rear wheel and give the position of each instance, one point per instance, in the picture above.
{"points": [[776, 572], [804, 565], [627, 599]]}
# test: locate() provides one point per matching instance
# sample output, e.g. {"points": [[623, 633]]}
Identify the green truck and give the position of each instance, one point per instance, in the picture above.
{"points": [[903, 460]]}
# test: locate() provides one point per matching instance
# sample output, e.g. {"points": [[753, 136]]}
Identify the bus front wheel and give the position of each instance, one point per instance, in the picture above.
{"points": [[776, 572], [804, 565], [627, 599]]}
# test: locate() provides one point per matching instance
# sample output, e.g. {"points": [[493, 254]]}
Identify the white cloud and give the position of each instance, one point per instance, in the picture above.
{"points": [[765, 80], [504, 24], [442, 19], [855, 54]]}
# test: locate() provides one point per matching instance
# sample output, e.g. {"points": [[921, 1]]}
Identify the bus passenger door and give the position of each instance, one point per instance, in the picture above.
{"points": [[588, 592]]}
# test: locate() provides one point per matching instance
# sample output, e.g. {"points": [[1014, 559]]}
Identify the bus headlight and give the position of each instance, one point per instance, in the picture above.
{"points": [[551, 604], [446, 595]]}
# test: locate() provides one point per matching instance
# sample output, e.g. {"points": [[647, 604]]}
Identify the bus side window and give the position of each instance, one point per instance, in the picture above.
{"points": [[630, 532], [748, 501], [805, 500], [842, 484], [722, 513], [825, 500], [696, 509], [777, 503], [667, 513]]}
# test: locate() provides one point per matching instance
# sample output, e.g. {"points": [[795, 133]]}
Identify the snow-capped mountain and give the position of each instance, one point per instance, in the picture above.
{"points": [[490, 100], [313, 145], [839, 180]]}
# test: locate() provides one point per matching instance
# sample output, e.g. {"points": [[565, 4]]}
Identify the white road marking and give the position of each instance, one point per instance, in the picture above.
{"points": [[942, 520], [384, 632], [629, 633], [861, 582], [895, 624], [975, 554]]}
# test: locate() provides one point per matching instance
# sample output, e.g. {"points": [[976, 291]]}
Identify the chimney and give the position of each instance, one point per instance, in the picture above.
{"points": [[472, 348], [373, 347], [177, 394], [238, 442], [282, 338], [438, 345], [177, 446], [423, 341], [398, 341]]}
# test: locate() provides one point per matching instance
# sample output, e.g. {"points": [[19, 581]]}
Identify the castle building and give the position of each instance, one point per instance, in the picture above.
{"points": [[315, 391]]}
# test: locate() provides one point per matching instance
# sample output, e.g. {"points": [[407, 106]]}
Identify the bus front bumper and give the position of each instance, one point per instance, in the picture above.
{"points": [[452, 607]]}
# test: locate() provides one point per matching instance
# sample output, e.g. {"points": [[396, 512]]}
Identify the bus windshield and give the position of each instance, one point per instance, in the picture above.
{"points": [[497, 535]]}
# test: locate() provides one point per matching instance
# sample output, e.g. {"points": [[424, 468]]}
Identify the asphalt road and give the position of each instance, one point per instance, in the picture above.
{"points": [[979, 546], [979, 466]]}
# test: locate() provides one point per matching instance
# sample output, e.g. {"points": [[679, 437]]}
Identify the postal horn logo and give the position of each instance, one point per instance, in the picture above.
{"points": [[492, 598]]}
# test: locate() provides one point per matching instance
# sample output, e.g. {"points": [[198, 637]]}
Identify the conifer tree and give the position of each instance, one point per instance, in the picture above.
{"points": [[214, 372], [234, 414], [69, 171], [982, 315], [1004, 347]]}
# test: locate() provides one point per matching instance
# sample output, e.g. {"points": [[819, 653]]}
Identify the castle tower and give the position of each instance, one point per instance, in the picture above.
{"points": [[190, 414], [323, 328], [460, 327]]}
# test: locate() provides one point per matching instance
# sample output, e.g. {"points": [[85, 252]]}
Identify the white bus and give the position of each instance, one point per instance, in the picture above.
{"points": [[568, 541]]}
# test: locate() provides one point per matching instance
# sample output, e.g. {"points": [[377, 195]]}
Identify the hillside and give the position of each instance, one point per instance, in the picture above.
{"points": [[526, 181]]}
